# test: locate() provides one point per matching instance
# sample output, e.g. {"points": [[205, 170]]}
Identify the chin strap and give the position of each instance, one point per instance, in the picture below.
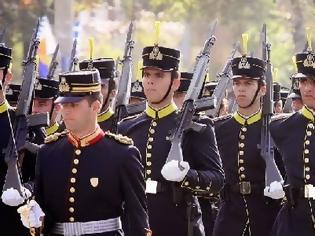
{"points": [[166, 94]]}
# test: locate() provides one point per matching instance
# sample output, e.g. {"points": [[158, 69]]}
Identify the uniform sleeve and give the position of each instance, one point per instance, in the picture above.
{"points": [[133, 186], [206, 174], [279, 163], [39, 193], [277, 128]]}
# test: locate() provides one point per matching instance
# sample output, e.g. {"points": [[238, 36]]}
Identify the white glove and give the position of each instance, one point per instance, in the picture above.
{"points": [[275, 191], [171, 171], [31, 214], [12, 197]]}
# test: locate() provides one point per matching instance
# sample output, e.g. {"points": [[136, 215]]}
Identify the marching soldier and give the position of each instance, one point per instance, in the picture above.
{"points": [[106, 67], [136, 94], [297, 103], [43, 101], [180, 93], [12, 94], [278, 104], [46, 92], [172, 204], [244, 209], [85, 176], [9, 219], [294, 135], [206, 201]]}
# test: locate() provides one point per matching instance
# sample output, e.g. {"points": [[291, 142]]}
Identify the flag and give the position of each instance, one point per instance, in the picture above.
{"points": [[47, 46]]}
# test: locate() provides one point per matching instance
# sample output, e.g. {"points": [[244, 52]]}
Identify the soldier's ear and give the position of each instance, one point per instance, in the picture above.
{"points": [[96, 106], [263, 89], [176, 84]]}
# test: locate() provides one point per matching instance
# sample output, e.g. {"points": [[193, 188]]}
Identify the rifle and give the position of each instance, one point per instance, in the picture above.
{"points": [[224, 79], [189, 107], [73, 58], [19, 128], [124, 85], [53, 64], [272, 172], [287, 105]]}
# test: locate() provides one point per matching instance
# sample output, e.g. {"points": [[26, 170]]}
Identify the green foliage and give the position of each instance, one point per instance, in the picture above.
{"points": [[190, 20]]}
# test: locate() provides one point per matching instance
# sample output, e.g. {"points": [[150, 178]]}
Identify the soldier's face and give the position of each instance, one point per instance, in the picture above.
{"points": [[307, 88], [156, 84], [278, 107], [42, 105], [245, 89], [296, 104], [79, 115]]}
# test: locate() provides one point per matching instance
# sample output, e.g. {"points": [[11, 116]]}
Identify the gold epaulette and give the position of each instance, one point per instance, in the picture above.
{"points": [[221, 118], [120, 138], [280, 116], [54, 137]]}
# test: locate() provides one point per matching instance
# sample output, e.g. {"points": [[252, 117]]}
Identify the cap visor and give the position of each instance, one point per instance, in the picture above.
{"points": [[68, 99], [158, 68], [294, 96], [244, 77], [300, 75]]}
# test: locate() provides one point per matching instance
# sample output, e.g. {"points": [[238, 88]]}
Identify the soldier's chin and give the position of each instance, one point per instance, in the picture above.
{"points": [[69, 125], [309, 103], [242, 102], [154, 100]]}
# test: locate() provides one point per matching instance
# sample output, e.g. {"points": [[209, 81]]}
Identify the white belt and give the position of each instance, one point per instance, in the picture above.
{"points": [[90, 227]]}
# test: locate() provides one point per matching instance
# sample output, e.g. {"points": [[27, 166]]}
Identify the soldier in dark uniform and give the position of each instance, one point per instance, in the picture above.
{"points": [[297, 103], [294, 135], [84, 176], [180, 93], [208, 92], [106, 67], [46, 91], [136, 94], [9, 219], [207, 202], [278, 104], [244, 209], [12, 94], [295, 95], [173, 206], [43, 101]]}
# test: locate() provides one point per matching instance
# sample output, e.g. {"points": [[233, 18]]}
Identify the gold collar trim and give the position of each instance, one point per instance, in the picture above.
{"points": [[105, 115], [88, 139], [4, 106], [305, 111], [151, 112], [249, 120], [52, 129]]}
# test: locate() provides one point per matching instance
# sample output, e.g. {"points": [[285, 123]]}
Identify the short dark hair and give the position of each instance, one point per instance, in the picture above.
{"points": [[112, 85], [174, 74], [94, 97]]}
